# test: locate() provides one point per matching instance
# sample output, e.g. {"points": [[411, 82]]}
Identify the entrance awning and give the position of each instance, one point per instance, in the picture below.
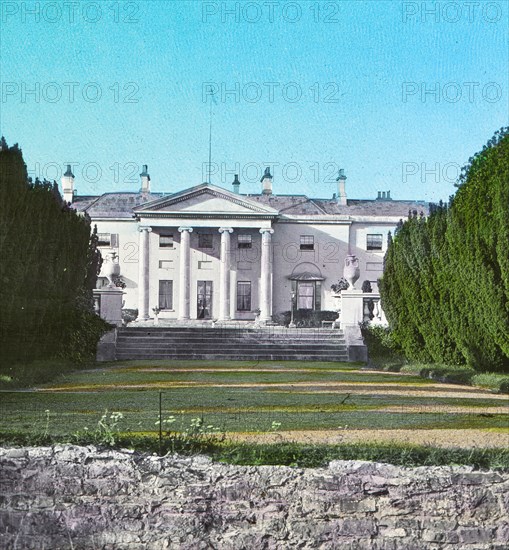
{"points": [[306, 271], [306, 276]]}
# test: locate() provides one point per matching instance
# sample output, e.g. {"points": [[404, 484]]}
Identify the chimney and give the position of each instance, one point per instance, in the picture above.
{"points": [[68, 185], [389, 196], [266, 182], [341, 179], [236, 184], [145, 180], [379, 196]]}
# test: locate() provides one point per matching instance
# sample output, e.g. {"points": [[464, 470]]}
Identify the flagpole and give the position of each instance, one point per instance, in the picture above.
{"points": [[210, 143]]}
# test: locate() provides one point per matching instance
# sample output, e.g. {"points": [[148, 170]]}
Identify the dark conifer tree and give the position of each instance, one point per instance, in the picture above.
{"points": [[445, 287], [48, 268]]}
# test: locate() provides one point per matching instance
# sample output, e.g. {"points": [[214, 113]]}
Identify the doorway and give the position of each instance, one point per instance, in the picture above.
{"points": [[204, 300]]}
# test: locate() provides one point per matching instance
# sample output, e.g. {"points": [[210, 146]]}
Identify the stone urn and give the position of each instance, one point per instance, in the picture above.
{"points": [[111, 268], [351, 271]]}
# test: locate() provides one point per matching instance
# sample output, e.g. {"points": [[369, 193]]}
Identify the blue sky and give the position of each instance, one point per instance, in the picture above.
{"points": [[399, 94]]}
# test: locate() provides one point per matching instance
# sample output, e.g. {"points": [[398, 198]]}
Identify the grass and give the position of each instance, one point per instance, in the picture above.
{"points": [[287, 454], [240, 398], [253, 398]]}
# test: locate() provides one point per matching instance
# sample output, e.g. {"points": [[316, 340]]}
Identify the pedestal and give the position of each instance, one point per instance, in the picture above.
{"points": [[352, 307], [352, 314], [110, 301]]}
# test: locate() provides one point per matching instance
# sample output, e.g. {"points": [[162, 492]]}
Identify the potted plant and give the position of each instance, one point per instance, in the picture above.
{"points": [[156, 311], [337, 288], [342, 284], [257, 312]]}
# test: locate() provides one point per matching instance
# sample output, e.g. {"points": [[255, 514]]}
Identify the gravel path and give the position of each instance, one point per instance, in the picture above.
{"points": [[436, 438]]}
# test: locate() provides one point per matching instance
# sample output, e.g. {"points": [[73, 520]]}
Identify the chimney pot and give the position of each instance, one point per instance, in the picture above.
{"points": [[389, 195], [236, 184], [145, 180], [383, 194], [267, 182], [379, 195], [68, 191], [341, 179]]}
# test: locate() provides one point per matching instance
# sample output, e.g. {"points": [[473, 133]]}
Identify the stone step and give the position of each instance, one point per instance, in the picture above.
{"points": [[224, 349], [232, 357], [221, 330], [231, 338], [222, 343], [227, 334], [226, 342]]}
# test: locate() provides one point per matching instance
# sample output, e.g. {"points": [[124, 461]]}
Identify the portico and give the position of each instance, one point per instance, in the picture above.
{"points": [[209, 253]]}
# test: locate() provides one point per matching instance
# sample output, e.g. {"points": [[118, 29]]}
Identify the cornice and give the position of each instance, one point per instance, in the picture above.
{"points": [[207, 215]]}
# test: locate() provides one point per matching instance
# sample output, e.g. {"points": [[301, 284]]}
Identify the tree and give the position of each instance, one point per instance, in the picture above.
{"points": [[445, 287], [49, 267]]}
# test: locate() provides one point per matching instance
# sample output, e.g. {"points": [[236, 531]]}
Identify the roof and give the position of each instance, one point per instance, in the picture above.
{"points": [[300, 205], [113, 205], [126, 204]]}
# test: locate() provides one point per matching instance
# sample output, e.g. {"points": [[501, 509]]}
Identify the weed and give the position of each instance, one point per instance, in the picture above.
{"points": [[106, 432]]}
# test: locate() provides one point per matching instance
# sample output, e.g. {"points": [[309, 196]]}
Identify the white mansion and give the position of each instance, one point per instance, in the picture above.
{"points": [[211, 253]]}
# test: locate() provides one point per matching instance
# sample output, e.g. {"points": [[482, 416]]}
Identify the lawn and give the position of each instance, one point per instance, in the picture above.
{"points": [[252, 397]]}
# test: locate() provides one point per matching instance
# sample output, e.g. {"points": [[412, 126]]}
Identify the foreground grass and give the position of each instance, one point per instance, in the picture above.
{"points": [[248, 396], [285, 454]]}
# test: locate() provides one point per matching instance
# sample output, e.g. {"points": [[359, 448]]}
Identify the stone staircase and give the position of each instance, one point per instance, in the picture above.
{"points": [[263, 344]]}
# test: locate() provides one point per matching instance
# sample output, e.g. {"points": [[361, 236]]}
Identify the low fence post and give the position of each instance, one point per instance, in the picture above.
{"points": [[160, 423]]}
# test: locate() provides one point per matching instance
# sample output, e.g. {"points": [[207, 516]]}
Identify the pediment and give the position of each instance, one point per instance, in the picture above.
{"points": [[204, 200]]}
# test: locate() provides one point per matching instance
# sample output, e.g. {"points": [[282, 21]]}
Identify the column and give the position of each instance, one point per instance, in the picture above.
{"points": [[224, 274], [266, 275], [144, 272], [185, 273]]}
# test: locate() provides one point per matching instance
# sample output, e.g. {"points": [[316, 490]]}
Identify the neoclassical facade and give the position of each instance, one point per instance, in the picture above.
{"points": [[206, 252]]}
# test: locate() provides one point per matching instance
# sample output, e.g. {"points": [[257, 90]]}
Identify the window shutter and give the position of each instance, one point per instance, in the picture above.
{"points": [[114, 240]]}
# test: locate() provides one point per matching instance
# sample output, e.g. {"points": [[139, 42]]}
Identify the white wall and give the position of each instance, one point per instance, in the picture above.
{"points": [[331, 247]]}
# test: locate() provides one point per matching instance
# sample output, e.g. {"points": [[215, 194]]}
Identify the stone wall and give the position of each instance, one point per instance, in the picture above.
{"points": [[80, 498]]}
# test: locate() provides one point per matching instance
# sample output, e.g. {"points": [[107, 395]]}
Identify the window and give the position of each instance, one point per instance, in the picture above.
{"points": [[374, 242], [107, 239], [165, 241], [244, 241], [165, 294], [243, 296], [165, 264], [306, 296], [307, 242], [205, 240]]}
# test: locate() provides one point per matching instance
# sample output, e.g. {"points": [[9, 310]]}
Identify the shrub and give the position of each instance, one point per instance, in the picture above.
{"points": [[366, 286], [129, 315], [305, 318], [382, 348], [450, 374], [83, 334]]}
